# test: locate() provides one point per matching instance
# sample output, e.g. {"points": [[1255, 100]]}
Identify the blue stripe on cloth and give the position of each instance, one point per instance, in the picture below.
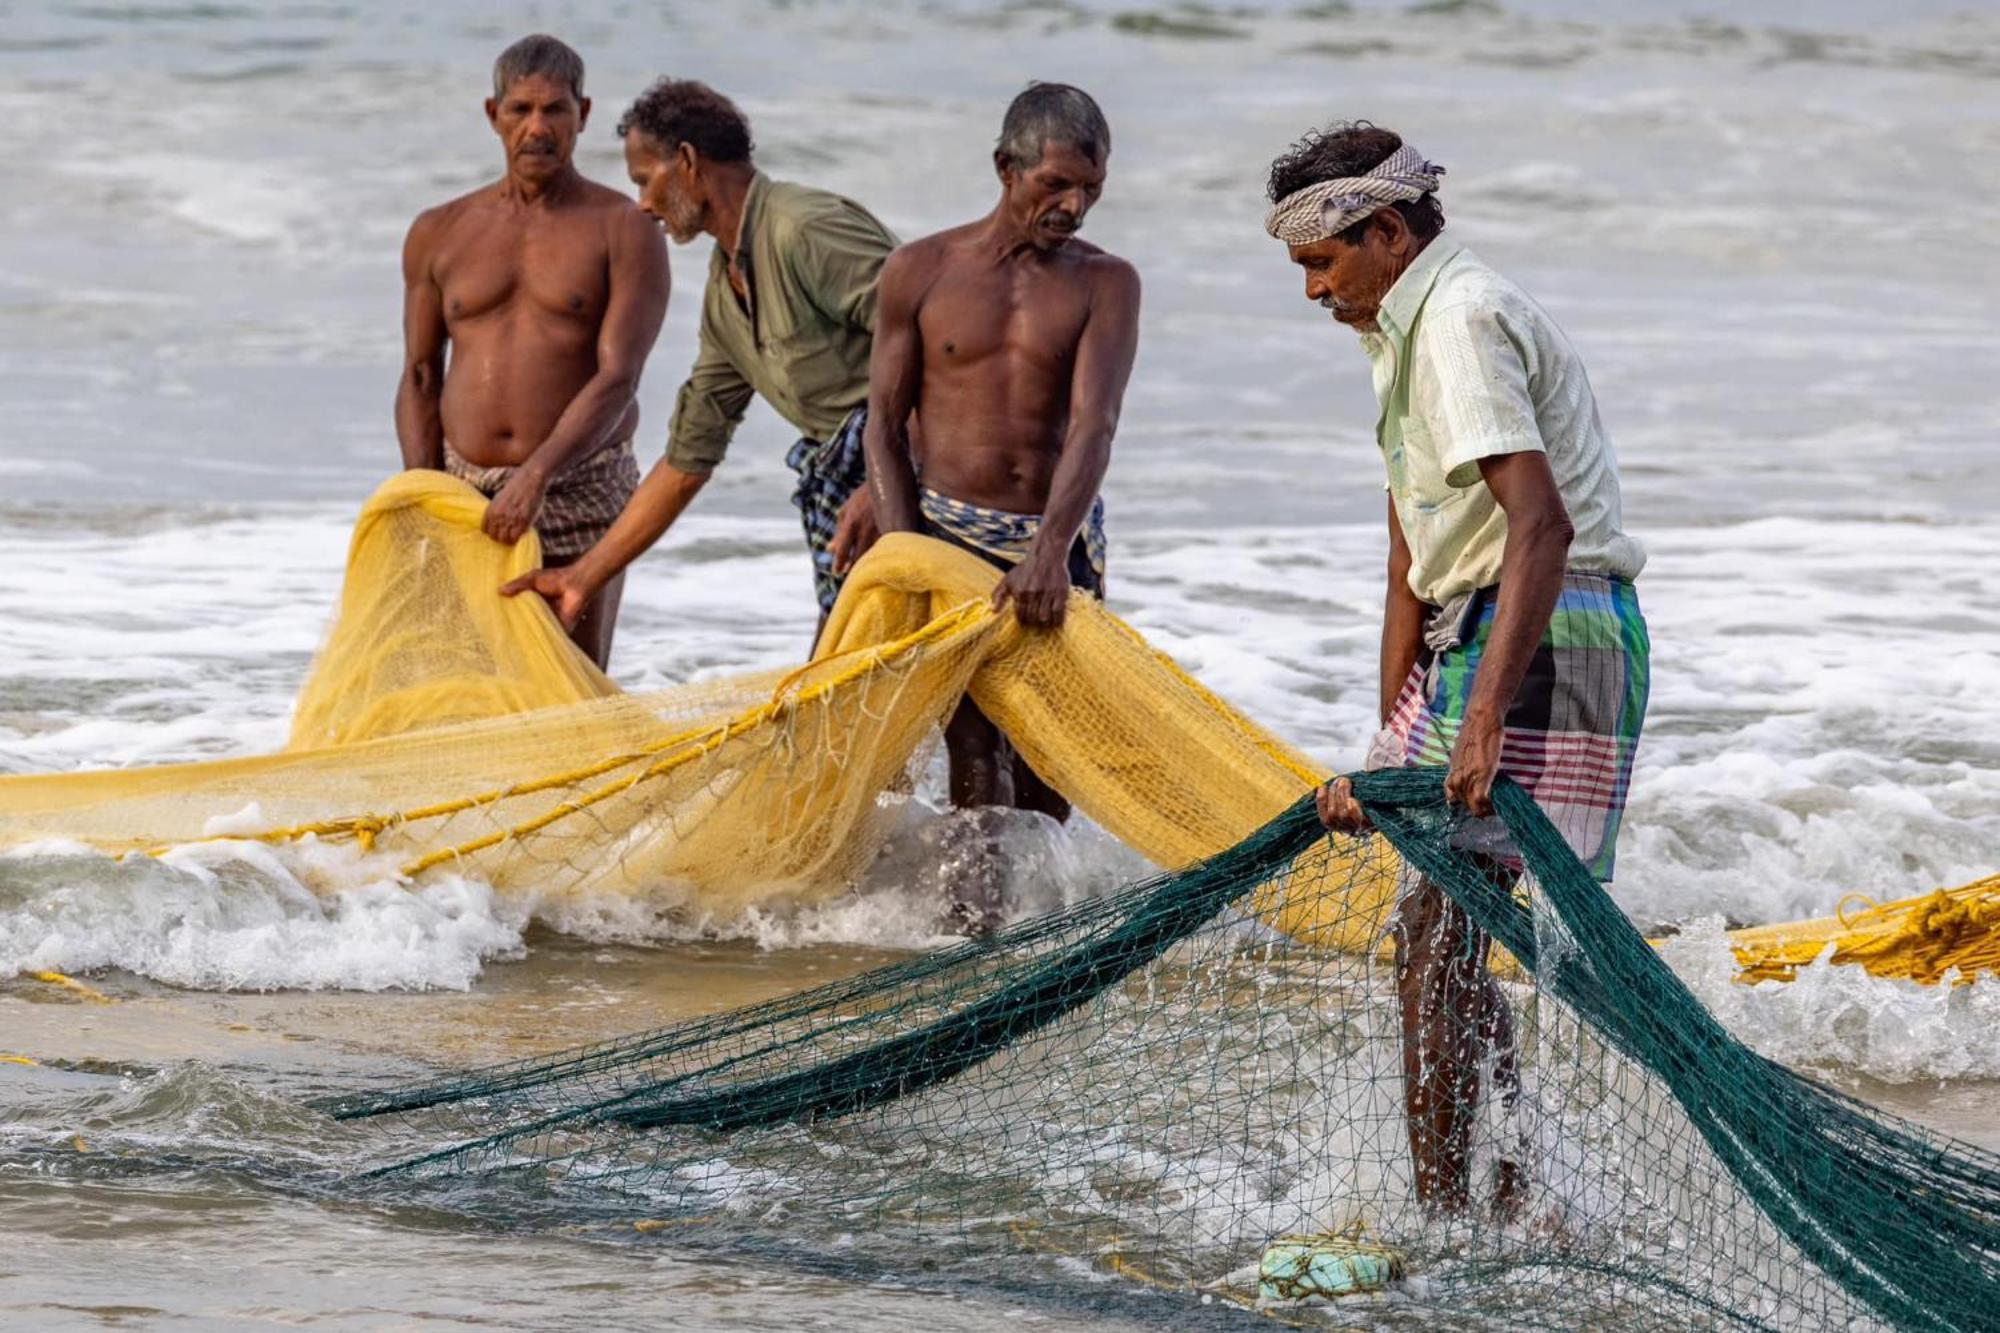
{"points": [[1004, 534], [829, 473]]}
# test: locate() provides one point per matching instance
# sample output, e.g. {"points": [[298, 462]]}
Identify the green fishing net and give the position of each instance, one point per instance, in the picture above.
{"points": [[1155, 1097]]}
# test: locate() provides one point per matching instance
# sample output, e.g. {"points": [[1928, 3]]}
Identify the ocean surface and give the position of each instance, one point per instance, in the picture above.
{"points": [[1768, 227]]}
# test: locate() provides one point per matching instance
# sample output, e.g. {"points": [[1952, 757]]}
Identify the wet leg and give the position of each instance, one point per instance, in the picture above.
{"points": [[982, 777], [1453, 1018]]}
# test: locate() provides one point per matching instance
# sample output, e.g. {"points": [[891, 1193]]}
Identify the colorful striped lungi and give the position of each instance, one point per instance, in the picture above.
{"points": [[579, 506], [1573, 728], [830, 471]]}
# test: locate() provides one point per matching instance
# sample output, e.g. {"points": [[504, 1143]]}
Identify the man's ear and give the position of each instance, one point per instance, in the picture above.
{"points": [[582, 112], [689, 159], [493, 112], [1003, 167], [1394, 229]]}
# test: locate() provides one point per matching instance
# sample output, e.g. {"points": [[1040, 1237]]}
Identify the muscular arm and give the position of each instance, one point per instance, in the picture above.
{"points": [[710, 403], [895, 372], [1104, 357], [1531, 573], [660, 499], [1039, 585], [632, 318], [1402, 619], [419, 394]]}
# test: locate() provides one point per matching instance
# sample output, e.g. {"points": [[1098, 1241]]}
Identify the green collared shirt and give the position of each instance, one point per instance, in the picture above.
{"points": [[1467, 367], [810, 261]]}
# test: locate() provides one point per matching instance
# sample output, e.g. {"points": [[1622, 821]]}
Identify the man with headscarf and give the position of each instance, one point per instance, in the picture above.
{"points": [[1511, 637]]}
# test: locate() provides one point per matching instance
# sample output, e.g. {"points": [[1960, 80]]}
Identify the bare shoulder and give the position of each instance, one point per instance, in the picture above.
{"points": [[1110, 277], [911, 267], [596, 196], [431, 230], [431, 225]]}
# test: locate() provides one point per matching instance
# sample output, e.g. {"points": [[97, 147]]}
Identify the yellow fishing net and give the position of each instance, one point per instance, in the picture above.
{"points": [[445, 729]]}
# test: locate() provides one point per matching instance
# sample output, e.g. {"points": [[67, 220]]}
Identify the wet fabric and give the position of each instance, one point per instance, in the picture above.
{"points": [[580, 504], [1003, 537]]}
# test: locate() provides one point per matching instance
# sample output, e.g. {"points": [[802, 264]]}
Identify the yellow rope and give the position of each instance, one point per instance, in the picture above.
{"points": [[17, 1060], [646, 1226], [89, 993]]}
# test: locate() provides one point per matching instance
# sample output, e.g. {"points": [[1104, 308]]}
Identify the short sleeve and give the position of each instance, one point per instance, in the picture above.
{"points": [[1480, 405]]}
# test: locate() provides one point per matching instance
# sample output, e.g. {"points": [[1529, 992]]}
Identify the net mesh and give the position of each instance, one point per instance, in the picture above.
{"points": [[1160, 1085], [1155, 1087], [444, 729]]}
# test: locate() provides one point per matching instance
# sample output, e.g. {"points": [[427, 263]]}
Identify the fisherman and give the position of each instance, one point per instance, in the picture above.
{"points": [[549, 289], [1011, 341], [1511, 635], [789, 313]]}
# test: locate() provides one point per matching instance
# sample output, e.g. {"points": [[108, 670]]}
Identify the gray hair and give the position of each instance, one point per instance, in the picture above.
{"points": [[541, 54], [1047, 113]]}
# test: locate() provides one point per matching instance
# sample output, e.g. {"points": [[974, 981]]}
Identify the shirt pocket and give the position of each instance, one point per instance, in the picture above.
{"points": [[1422, 480]]}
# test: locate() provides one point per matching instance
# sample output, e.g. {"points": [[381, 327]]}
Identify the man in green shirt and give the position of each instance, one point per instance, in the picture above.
{"points": [[789, 313]]}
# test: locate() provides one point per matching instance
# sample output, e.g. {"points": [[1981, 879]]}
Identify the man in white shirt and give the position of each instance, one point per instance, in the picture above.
{"points": [[1511, 635]]}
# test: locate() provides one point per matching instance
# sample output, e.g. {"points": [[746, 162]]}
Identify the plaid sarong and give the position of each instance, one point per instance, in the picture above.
{"points": [[1003, 536], [1573, 728], [580, 505], [829, 473]]}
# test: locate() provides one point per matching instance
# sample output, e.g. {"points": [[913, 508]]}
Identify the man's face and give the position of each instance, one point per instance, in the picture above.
{"points": [[1351, 280], [538, 120], [667, 187], [1051, 197]]}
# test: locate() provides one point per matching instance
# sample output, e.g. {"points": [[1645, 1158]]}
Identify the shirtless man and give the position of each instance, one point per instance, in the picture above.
{"points": [[549, 289], [1011, 341]]}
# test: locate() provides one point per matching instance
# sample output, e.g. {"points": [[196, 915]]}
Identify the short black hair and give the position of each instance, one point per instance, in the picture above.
{"points": [[1045, 113], [1349, 148], [541, 54], [677, 111]]}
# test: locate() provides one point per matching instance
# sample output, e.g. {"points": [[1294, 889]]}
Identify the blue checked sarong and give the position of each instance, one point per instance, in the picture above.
{"points": [[1003, 536], [829, 473]]}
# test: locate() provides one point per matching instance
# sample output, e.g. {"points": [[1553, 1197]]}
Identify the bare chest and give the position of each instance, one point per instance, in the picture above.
{"points": [[972, 316], [492, 263]]}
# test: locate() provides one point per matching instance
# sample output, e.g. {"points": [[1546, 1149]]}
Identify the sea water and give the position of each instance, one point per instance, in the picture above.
{"points": [[1767, 229]]}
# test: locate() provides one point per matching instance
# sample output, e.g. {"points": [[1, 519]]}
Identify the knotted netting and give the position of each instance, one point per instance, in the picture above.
{"points": [[1150, 1089], [447, 730]]}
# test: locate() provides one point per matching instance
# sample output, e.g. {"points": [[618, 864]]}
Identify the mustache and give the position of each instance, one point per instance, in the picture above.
{"points": [[1057, 215]]}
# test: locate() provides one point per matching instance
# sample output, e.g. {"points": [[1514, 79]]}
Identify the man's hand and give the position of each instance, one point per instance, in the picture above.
{"points": [[566, 593], [1338, 809], [1039, 592], [856, 531], [1475, 762], [511, 513]]}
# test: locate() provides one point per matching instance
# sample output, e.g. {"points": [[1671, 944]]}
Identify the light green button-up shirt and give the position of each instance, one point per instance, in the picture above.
{"points": [[1467, 366], [810, 260]]}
